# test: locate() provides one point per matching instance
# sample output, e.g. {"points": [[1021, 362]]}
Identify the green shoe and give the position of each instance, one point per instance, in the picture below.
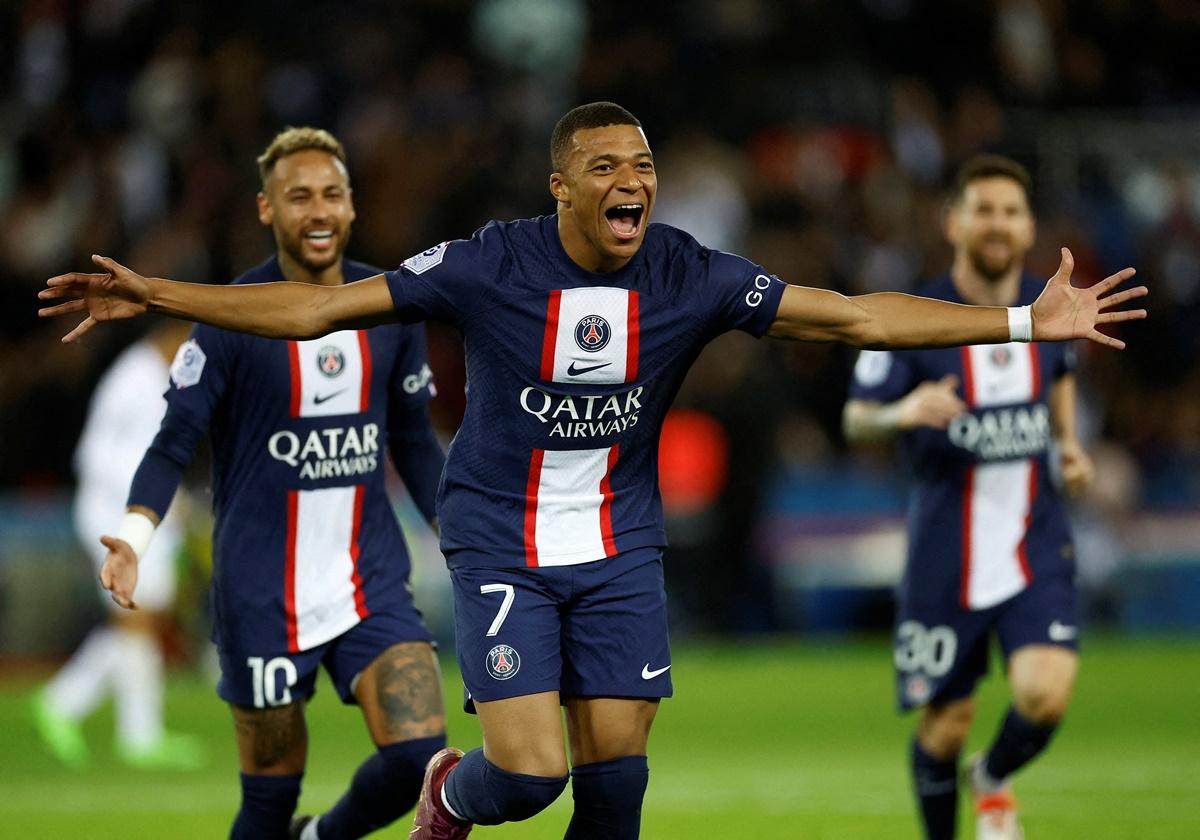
{"points": [[173, 751], [61, 736]]}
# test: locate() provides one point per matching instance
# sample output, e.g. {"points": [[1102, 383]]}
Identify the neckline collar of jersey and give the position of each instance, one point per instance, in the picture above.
{"points": [[578, 272]]}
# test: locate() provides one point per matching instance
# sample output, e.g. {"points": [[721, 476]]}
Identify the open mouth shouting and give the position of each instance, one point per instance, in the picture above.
{"points": [[625, 220]]}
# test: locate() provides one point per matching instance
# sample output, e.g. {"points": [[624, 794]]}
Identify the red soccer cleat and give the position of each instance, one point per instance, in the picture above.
{"points": [[433, 821]]}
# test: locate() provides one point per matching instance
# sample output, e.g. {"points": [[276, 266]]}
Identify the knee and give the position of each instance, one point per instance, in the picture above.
{"points": [[526, 796], [489, 795], [1042, 704], [943, 730]]}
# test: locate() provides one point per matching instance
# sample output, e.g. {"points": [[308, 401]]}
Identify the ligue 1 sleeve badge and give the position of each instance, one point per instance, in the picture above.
{"points": [[503, 662], [188, 364]]}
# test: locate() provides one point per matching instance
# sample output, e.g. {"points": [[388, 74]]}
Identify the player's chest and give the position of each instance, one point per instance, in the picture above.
{"points": [[992, 374], [594, 335], [332, 375]]}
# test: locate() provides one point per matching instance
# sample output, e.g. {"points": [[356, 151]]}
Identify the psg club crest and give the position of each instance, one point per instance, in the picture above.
{"points": [[1001, 356], [917, 690], [592, 333], [330, 361], [503, 662]]}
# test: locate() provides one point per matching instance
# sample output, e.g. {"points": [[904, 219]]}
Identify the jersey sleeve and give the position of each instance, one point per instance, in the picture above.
{"points": [[741, 294], [411, 384], [199, 376], [447, 282], [883, 376]]}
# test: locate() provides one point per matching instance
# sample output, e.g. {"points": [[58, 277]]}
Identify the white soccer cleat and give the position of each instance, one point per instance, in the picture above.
{"points": [[995, 812]]}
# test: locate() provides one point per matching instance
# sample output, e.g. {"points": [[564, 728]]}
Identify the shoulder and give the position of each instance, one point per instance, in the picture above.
{"points": [[266, 271], [939, 288], [353, 270], [666, 240], [1031, 287]]}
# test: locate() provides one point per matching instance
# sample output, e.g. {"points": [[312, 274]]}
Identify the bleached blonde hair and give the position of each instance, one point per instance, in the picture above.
{"points": [[296, 139]]}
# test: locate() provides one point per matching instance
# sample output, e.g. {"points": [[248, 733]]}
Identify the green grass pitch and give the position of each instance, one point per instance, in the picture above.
{"points": [[763, 740]]}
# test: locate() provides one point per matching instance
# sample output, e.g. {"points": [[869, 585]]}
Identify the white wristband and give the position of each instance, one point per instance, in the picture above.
{"points": [[1020, 323], [136, 529]]}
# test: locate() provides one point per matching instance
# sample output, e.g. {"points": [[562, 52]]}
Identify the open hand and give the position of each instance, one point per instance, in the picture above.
{"points": [[120, 571], [115, 294], [1063, 312]]}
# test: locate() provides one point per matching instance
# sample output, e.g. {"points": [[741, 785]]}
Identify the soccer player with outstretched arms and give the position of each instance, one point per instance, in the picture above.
{"points": [[579, 328]]}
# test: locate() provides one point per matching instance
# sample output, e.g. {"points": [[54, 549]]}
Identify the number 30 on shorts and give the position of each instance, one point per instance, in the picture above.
{"points": [[927, 649]]}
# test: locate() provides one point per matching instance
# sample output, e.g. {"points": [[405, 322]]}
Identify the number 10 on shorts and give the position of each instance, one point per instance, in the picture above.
{"points": [[263, 677]]}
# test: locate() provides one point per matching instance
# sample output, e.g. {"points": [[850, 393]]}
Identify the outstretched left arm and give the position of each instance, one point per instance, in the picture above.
{"points": [[888, 320]]}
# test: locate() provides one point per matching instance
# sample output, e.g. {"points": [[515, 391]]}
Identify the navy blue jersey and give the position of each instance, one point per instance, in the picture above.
{"points": [[984, 518], [569, 374], [305, 543]]}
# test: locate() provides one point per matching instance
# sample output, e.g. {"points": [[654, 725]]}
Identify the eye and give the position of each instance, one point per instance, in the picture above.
{"points": [[602, 167]]}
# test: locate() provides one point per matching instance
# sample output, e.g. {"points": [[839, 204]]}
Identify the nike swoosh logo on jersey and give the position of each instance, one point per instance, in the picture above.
{"points": [[320, 398], [1060, 632], [647, 674], [574, 371]]}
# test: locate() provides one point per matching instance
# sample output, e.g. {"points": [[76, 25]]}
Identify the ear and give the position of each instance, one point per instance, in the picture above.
{"points": [[950, 222], [559, 189], [265, 214]]}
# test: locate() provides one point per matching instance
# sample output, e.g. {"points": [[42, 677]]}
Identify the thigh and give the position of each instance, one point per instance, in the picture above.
{"points": [[1044, 613], [348, 656], [271, 742], [400, 693], [615, 641], [507, 632], [940, 653], [604, 728], [524, 734]]}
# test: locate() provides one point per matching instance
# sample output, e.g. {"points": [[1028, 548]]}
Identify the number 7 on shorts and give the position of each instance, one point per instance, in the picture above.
{"points": [[505, 606]]}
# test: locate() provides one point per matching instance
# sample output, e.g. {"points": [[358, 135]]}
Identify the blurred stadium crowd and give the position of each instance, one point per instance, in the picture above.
{"points": [[814, 136]]}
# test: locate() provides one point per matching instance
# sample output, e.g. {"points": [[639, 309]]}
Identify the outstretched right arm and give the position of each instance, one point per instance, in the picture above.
{"points": [[273, 310]]}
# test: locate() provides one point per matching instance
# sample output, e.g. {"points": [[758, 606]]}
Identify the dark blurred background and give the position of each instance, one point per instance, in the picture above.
{"points": [[814, 136]]}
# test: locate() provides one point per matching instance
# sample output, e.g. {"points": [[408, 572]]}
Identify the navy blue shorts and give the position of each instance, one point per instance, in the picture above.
{"points": [[941, 652], [266, 678], [589, 630]]}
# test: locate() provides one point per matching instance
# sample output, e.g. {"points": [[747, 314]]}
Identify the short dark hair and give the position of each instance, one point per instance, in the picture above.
{"points": [[991, 166], [592, 115]]}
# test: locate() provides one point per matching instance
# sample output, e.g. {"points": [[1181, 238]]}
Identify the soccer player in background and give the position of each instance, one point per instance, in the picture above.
{"points": [[122, 656], [578, 328], [989, 551], [310, 567]]}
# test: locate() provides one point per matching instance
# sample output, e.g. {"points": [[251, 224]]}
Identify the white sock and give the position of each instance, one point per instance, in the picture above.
{"points": [[138, 690], [81, 684], [310, 830], [983, 780]]}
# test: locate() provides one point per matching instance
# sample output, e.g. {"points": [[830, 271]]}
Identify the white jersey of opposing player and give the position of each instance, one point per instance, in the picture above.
{"points": [[123, 418]]}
